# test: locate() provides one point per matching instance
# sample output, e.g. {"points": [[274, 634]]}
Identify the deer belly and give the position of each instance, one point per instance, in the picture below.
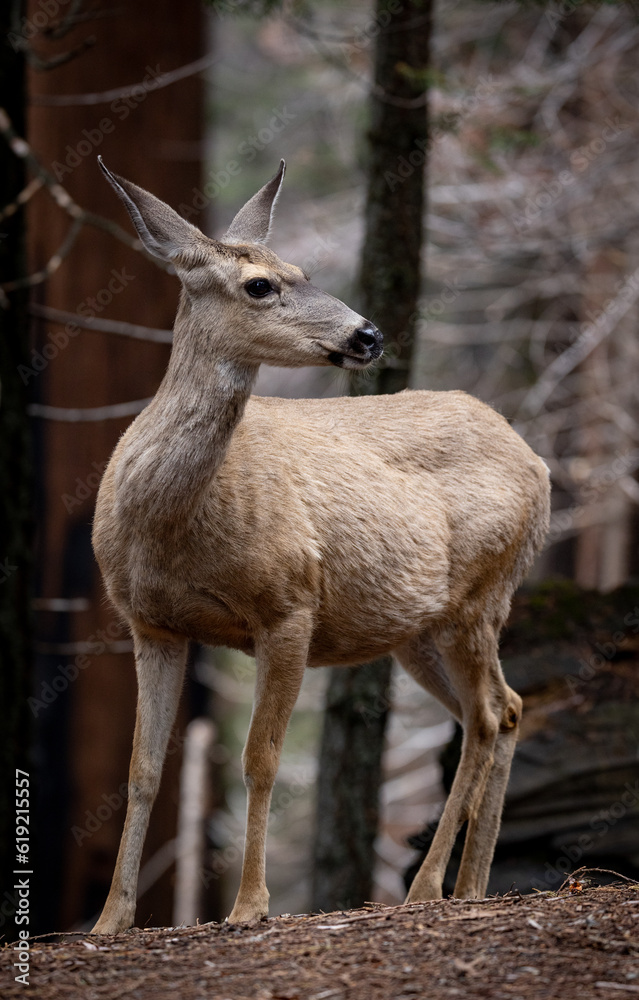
{"points": [[378, 594], [202, 618], [212, 624]]}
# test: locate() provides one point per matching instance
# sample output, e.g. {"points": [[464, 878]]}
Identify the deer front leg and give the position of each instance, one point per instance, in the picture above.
{"points": [[281, 658], [160, 672]]}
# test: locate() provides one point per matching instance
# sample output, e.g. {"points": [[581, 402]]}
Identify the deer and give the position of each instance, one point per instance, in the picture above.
{"points": [[307, 532]]}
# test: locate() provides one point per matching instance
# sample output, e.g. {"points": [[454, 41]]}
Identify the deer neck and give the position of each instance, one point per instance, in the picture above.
{"points": [[185, 432]]}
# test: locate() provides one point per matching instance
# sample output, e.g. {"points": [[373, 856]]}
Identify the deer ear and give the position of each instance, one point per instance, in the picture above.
{"points": [[252, 224], [163, 232]]}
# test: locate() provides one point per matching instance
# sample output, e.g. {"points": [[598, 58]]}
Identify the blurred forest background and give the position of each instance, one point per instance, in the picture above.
{"points": [[525, 272]]}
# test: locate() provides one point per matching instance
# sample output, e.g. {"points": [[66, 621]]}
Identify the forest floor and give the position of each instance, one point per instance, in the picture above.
{"points": [[577, 943]]}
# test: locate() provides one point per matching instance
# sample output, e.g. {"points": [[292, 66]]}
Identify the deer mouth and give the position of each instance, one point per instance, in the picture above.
{"points": [[364, 346], [354, 361]]}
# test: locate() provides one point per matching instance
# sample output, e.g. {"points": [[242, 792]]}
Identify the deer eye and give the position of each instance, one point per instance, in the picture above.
{"points": [[258, 287]]}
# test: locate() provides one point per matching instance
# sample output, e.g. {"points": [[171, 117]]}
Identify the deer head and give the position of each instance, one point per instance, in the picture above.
{"points": [[253, 307]]}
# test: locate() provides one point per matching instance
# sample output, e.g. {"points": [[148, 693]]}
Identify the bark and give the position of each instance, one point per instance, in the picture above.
{"points": [[358, 697], [602, 549], [390, 272], [348, 788], [15, 477]]}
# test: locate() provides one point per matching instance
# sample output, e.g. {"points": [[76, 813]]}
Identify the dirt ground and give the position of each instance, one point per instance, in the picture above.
{"points": [[576, 943]]}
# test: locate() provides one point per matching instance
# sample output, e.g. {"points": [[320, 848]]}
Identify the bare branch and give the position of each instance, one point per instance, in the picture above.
{"points": [[102, 325], [22, 198], [593, 334], [64, 200], [76, 16], [90, 414], [52, 264], [43, 65], [103, 97]]}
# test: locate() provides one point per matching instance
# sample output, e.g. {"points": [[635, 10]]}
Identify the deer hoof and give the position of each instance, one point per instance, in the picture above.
{"points": [[249, 911], [113, 923], [423, 890]]}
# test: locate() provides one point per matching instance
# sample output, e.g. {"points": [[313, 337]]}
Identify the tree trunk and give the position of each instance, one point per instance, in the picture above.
{"points": [[151, 135], [15, 477], [358, 697], [602, 548]]}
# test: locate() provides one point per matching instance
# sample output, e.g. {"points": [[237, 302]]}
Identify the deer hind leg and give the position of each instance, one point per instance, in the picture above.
{"points": [[281, 658], [160, 672], [422, 660], [467, 679], [483, 826]]}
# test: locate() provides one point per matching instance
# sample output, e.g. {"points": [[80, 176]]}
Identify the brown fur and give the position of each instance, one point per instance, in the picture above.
{"points": [[308, 532]]}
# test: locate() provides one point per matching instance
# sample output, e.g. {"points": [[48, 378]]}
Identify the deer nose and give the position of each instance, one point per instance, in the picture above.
{"points": [[369, 339]]}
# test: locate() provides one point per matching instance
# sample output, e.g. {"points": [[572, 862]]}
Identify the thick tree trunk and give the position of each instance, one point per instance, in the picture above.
{"points": [[15, 479], [348, 788], [358, 697], [151, 135]]}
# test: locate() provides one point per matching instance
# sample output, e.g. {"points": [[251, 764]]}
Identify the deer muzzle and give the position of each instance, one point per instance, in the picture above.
{"points": [[364, 346]]}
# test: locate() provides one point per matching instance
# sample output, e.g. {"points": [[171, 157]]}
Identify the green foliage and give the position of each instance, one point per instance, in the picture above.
{"points": [[421, 77], [504, 138]]}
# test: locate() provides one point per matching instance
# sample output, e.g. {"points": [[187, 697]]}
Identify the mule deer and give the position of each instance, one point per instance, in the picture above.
{"points": [[308, 532]]}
